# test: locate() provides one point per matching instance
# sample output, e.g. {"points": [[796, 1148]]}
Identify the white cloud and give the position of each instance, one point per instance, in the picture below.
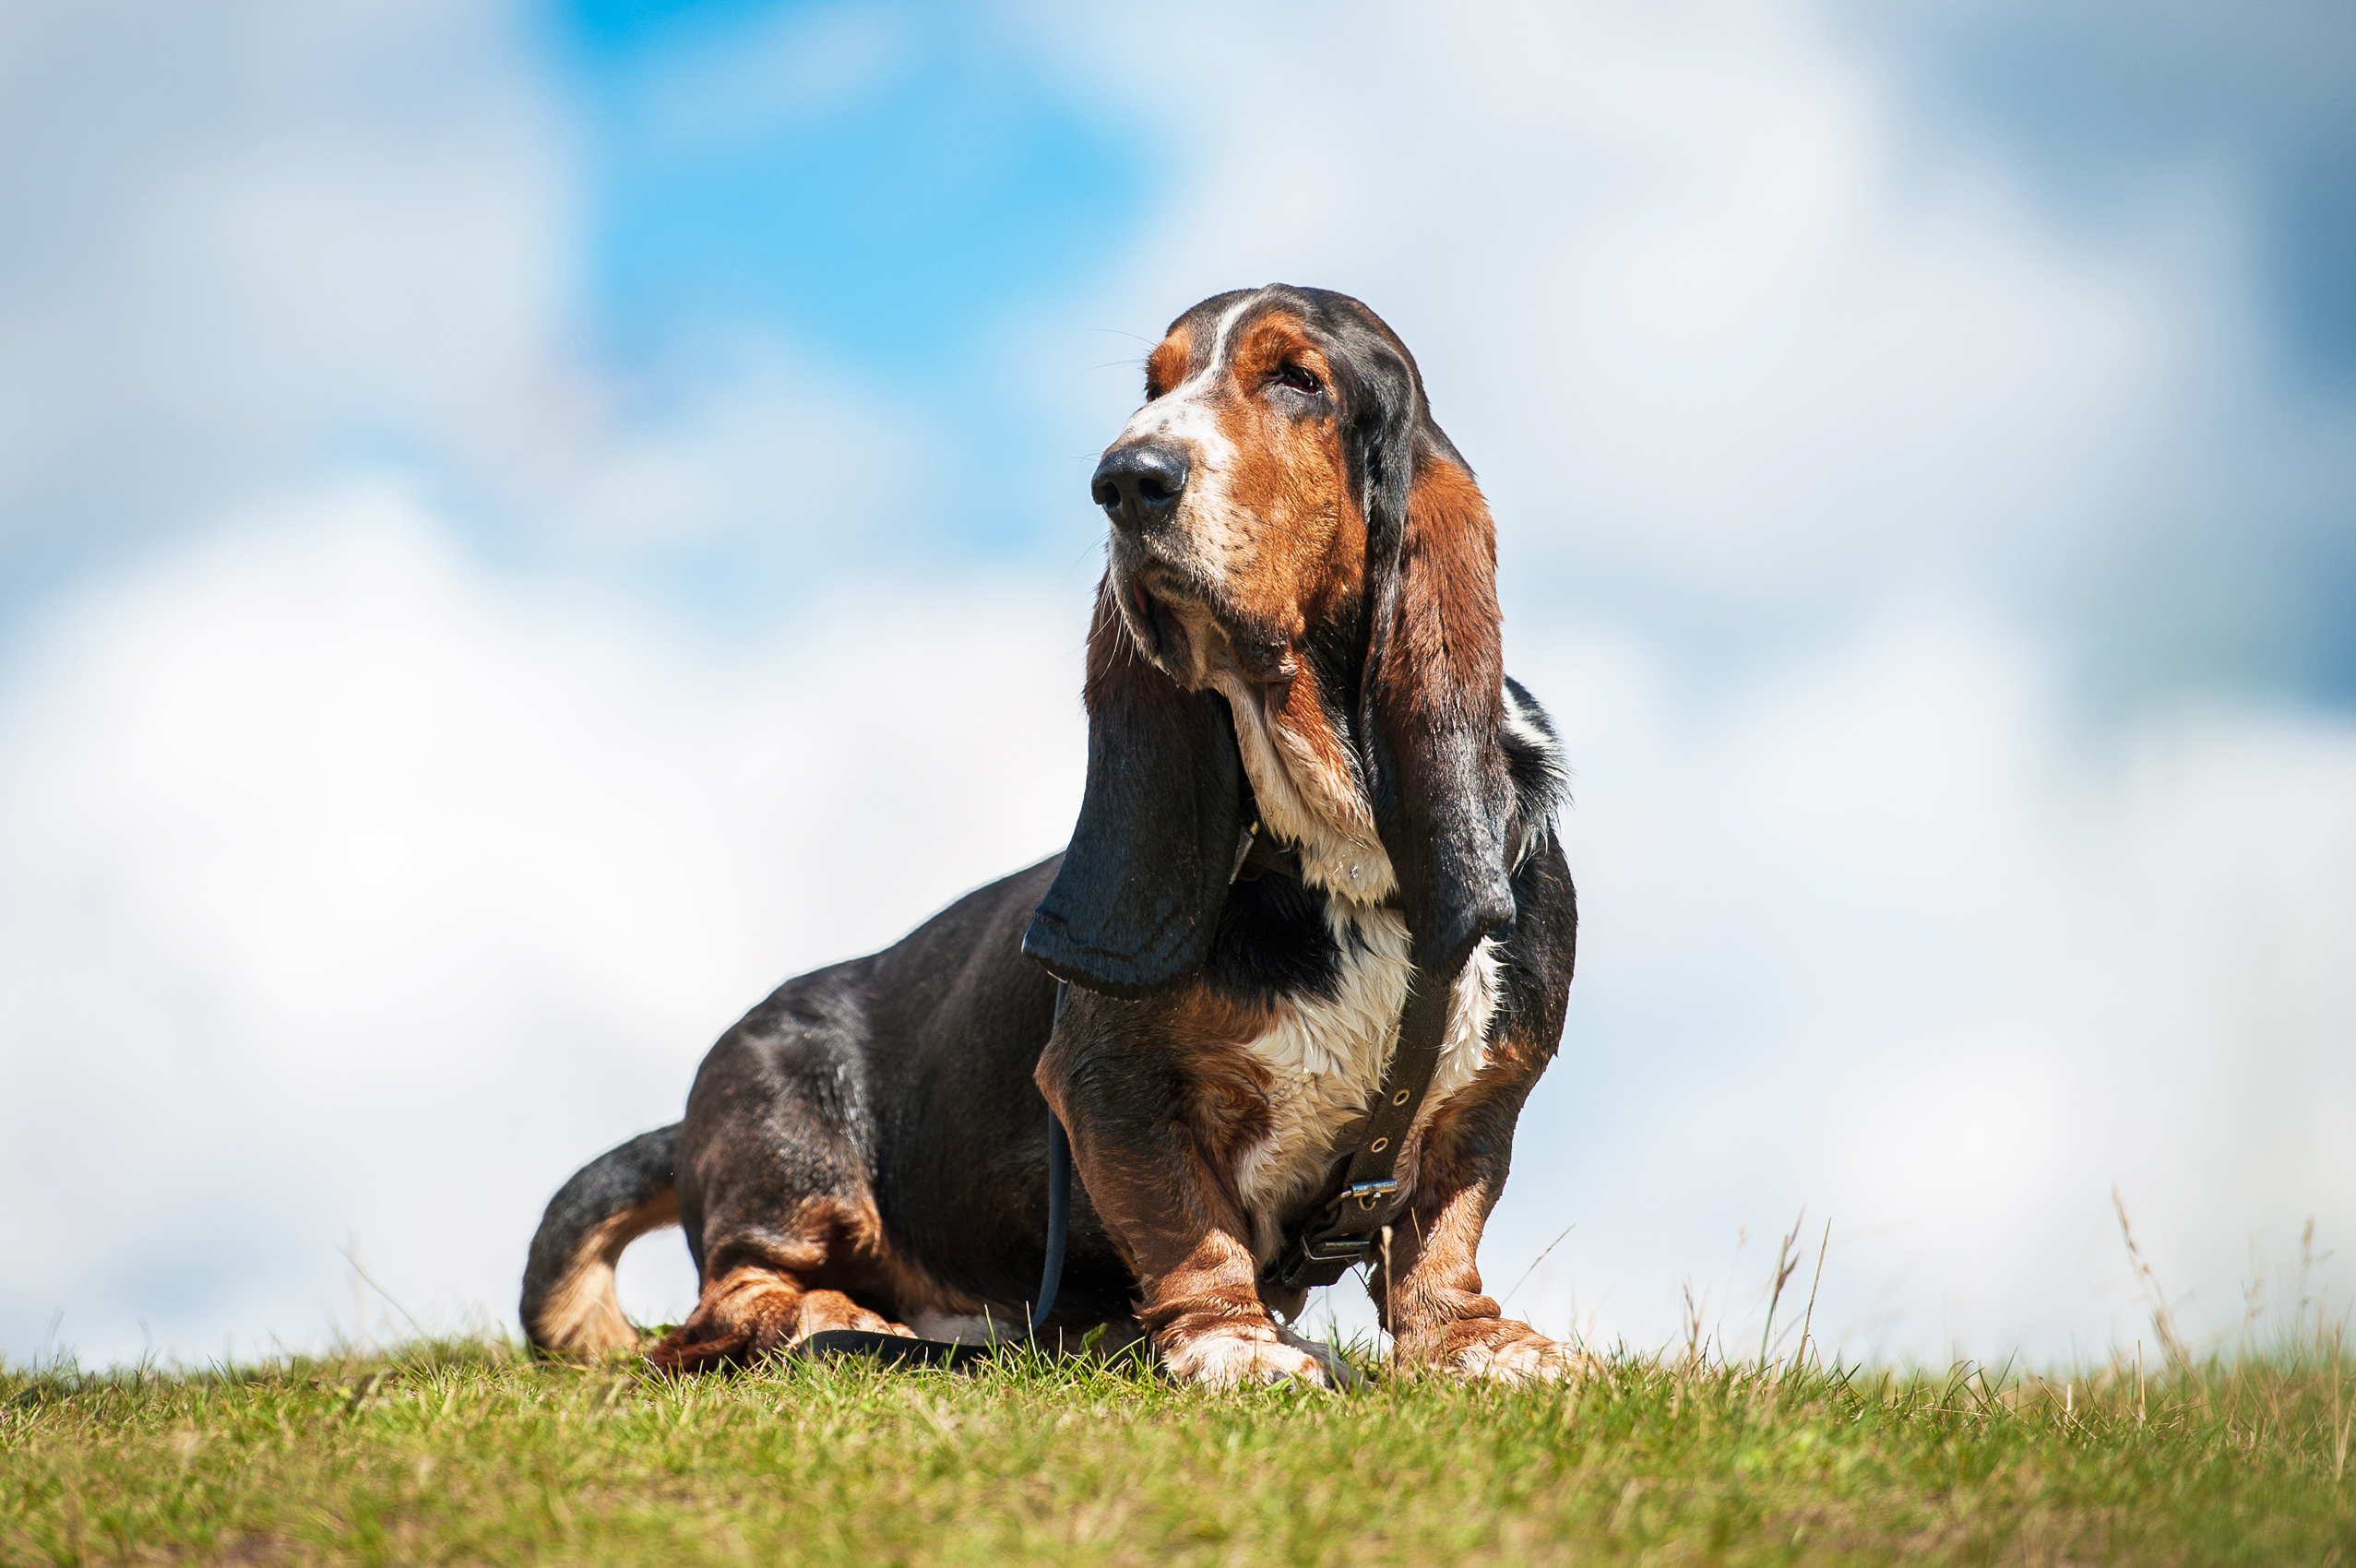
{"points": [[1879, 934], [252, 250], [350, 889], [240, 238]]}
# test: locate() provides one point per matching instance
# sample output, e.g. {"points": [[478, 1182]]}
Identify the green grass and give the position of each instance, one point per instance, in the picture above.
{"points": [[459, 1452]]}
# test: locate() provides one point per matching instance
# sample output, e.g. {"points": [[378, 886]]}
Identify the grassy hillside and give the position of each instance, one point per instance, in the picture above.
{"points": [[470, 1454]]}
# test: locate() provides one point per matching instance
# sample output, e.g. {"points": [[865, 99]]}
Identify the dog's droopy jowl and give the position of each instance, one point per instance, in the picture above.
{"points": [[1309, 782]]}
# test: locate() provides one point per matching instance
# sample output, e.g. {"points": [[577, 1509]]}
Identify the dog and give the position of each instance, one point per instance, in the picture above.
{"points": [[1312, 794]]}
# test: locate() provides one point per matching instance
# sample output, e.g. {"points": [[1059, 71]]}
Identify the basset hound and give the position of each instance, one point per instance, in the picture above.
{"points": [[1312, 790]]}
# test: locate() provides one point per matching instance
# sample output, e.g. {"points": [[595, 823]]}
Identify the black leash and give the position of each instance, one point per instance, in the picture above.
{"points": [[900, 1350], [1059, 1202], [1360, 1197]]}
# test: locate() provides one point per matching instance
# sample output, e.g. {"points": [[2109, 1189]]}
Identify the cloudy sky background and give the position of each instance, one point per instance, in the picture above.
{"points": [[521, 526]]}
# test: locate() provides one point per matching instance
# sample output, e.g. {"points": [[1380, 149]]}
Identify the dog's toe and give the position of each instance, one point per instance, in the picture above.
{"points": [[825, 1310], [1339, 1373], [1237, 1355], [1496, 1349]]}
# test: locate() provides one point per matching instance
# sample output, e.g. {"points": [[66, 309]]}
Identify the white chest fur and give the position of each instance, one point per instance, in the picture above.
{"points": [[1325, 1058]]}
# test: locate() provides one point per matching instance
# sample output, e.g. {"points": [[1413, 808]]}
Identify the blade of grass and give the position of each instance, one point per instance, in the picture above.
{"points": [[1526, 1273]]}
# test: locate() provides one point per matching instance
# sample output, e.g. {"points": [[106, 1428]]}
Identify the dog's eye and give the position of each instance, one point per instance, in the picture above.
{"points": [[1301, 379]]}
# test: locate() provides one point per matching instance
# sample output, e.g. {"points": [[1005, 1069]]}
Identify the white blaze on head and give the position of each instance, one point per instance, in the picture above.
{"points": [[1187, 415]]}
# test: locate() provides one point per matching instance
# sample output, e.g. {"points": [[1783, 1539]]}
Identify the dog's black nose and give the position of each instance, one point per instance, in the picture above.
{"points": [[1138, 485]]}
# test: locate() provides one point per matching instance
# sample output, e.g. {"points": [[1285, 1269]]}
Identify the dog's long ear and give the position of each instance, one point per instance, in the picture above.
{"points": [[1138, 900], [1433, 699]]}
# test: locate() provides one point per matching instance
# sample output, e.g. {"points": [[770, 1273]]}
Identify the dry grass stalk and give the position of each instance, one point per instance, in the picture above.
{"points": [[2164, 1324], [2340, 1443], [1787, 1263], [1808, 1319], [1508, 1298]]}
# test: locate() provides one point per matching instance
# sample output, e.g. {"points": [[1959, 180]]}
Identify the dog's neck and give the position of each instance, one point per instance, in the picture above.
{"points": [[1303, 770]]}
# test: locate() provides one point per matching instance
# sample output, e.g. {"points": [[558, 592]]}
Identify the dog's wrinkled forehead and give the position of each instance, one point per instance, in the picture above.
{"points": [[1230, 344], [1197, 347]]}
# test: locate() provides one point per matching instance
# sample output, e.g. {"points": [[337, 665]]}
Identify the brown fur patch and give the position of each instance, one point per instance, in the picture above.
{"points": [[1227, 1104], [1302, 548], [1303, 719], [1168, 362], [830, 1266], [1446, 661], [1165, 1189], [582, 1316], [750, 1313]]}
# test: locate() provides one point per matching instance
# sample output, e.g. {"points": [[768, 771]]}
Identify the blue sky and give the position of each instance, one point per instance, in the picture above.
{"points": [[521, 526], [924, 179], [877, 187]]}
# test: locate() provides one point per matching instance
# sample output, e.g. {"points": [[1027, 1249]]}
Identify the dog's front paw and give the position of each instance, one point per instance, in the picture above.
{"points": [[1494, 1347], [822, 1311], [1230, 1353]]}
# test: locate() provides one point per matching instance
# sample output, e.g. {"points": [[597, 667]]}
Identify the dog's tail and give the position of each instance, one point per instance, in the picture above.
{"points": [[569, 1305]]}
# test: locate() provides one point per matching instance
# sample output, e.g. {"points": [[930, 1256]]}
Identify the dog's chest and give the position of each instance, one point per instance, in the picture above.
{"points": [[1325, 1058]]}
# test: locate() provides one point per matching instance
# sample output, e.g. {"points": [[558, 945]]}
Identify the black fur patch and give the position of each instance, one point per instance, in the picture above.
{"points": [[1274, 941]]}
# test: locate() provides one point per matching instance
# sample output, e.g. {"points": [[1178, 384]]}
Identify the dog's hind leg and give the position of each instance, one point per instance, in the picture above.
{"points": [[776, 1193], [769, 1292]]}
